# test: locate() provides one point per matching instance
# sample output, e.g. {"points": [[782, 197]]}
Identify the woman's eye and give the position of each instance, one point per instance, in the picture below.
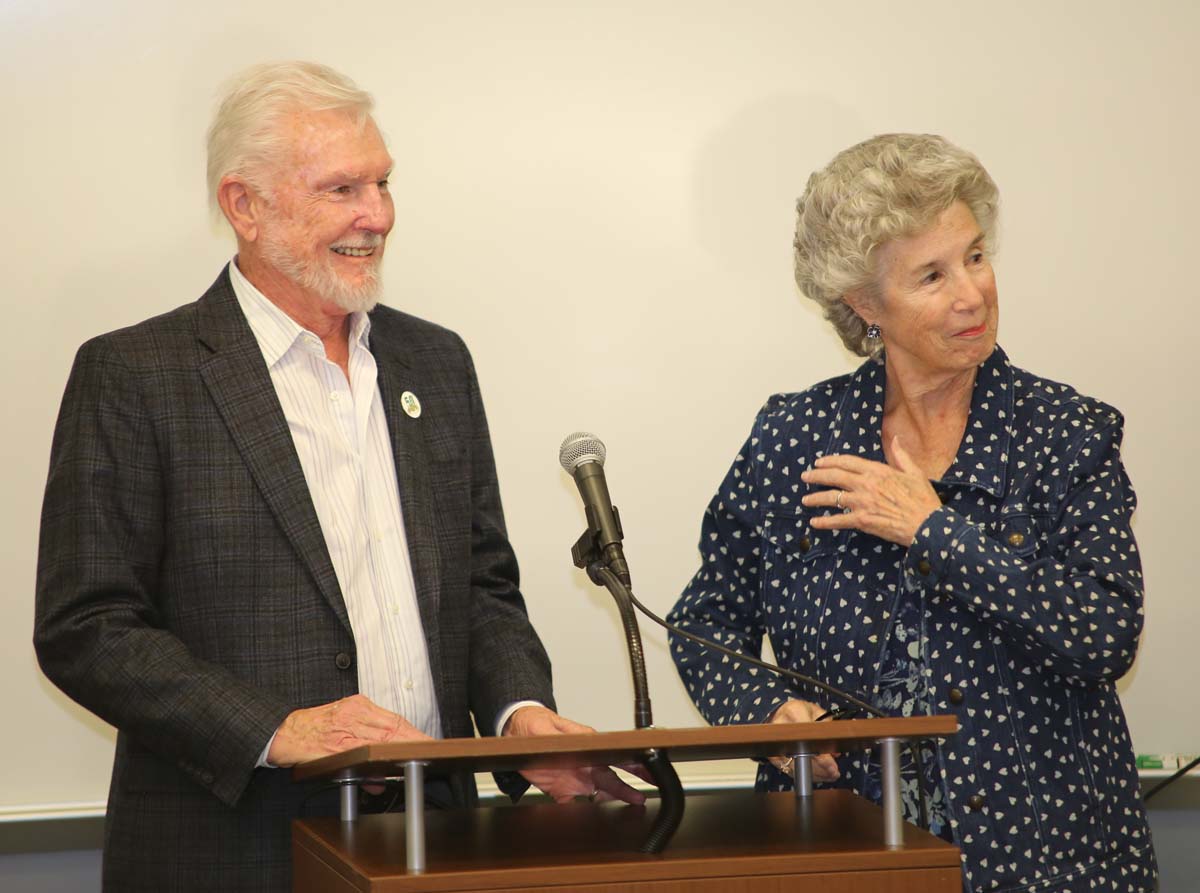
{"points": [[931, 277]]}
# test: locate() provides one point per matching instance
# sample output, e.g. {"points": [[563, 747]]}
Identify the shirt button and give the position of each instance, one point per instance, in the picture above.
{"points": [[805, 544], [408, 684], [924, 567], [334, 397], [975, 802], [343, 661], [955, 695], [1016, 539]]}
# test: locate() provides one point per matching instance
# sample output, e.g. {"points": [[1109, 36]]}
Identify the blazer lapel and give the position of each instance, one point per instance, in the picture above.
{"points": [[241, 387], [397, 374]]}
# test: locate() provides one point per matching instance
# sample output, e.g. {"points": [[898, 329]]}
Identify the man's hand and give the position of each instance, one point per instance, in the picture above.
{"points": [[597, 783], [824, 766], [332, 728]]}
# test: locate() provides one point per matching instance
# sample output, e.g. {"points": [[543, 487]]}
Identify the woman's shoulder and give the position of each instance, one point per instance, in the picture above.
{"points": [[815, 402], [1038, 400]]}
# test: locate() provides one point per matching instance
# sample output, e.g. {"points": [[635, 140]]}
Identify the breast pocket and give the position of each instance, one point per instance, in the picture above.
{"points": [[1021, 532]]}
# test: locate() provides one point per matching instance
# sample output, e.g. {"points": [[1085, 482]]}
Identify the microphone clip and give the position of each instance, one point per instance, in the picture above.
{"points": [[587, 550]]}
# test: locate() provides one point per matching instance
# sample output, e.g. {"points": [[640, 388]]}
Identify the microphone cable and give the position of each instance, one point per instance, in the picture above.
{"points": [[858, 704]]}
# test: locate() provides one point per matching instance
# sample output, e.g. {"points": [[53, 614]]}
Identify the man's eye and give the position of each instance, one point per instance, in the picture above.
{"points": [[342, 190], [383, 185]]}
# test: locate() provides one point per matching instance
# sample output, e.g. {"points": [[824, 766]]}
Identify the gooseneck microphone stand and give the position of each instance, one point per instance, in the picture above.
{"points": [[588, 556], [670, 791]]}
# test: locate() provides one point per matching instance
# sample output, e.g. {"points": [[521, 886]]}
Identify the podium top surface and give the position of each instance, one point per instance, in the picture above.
{"points": [[615, 748]]}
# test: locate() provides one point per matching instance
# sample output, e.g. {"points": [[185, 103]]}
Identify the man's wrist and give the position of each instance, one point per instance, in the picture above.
{"points": [[263, 762], [506, 714]]}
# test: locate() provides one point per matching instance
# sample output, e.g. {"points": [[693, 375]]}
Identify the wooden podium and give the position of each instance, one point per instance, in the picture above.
{"points": [[736, 841]]}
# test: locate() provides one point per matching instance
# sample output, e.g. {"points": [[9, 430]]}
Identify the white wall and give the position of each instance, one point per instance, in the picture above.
{"points": [[599, 198]]}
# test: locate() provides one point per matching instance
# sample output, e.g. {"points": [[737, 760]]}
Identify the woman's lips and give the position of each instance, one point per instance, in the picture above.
{"points": [[971, 333]]}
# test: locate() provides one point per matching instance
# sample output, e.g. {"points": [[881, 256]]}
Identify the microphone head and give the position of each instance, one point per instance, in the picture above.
{"points": [[578, 448]]}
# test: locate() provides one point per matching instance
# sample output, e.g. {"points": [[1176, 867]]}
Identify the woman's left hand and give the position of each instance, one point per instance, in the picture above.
{"points": [[887, 501]]}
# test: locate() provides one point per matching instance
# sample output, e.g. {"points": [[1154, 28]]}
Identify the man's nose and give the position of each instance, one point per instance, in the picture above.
{"points": [[376, 213]]}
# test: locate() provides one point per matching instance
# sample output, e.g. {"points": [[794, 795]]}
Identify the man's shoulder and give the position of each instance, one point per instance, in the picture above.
{"points": [[392, 323], [169, 337], [166, 339]]}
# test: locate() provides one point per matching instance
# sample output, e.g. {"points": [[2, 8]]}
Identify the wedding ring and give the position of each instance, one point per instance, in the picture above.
{"points": [[593, 795], [786, 766], [839, 499]]}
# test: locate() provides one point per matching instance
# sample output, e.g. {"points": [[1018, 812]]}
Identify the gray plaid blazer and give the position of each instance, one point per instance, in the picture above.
{"points": [[185, 594]]}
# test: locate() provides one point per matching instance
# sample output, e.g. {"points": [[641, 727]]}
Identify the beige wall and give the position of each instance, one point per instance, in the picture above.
{"points": [[599, 198]]}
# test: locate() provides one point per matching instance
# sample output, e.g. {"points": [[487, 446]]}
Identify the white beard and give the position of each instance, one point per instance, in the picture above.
{"points": [[320, 279]]}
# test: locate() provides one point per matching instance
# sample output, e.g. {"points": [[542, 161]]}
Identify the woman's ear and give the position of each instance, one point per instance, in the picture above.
{"points": [[862, 303]]}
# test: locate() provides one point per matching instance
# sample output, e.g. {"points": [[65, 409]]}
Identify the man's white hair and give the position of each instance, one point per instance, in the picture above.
{"points": [[244, 138]]}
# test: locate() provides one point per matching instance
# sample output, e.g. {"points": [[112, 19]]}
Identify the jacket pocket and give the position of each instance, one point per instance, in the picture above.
{"points": [[1020, 531]]}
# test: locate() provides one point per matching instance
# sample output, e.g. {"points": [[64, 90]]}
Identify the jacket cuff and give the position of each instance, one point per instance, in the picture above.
{"points": [[931, 554]]}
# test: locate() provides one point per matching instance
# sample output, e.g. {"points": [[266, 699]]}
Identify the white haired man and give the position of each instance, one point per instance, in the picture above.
{"points": [[272, 528]]}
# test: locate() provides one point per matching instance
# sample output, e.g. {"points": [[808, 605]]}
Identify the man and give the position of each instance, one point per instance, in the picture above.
{"points": [[272, 529]]}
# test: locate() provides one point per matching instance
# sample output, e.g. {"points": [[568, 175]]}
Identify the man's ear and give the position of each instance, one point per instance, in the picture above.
{"points": [[241, 206]]}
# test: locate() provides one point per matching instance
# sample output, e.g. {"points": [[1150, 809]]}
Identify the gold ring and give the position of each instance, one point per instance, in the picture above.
{"points": [[786, 766], [839, 499]]}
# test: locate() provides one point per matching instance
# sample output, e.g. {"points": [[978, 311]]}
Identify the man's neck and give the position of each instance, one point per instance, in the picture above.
{"points": [[326, 320]]}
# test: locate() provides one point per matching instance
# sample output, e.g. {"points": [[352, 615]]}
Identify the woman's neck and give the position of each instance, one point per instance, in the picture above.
{"points": [[928, 414]]}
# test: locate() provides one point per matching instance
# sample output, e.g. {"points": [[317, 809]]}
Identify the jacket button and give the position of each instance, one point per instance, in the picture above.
{"points": [[1015, 539], [955, 695], [975, 802], [805, 544], [343, 660], [924, 567]]}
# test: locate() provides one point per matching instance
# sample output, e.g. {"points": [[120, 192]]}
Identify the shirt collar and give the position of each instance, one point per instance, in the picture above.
{"points": [[275, 331], [982, 458]]}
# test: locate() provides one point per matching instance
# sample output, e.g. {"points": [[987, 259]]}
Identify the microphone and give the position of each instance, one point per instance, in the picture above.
{"points": [[582, 456]]}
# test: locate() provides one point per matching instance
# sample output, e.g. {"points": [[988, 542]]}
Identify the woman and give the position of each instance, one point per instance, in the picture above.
{"points": [[939, 532]]}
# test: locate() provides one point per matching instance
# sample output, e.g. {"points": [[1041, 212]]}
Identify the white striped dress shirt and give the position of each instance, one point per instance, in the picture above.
{"points": [[341, 436]]}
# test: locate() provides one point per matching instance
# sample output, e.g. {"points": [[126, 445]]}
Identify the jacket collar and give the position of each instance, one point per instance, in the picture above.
{"points": [[235, 373], [982, 458]]}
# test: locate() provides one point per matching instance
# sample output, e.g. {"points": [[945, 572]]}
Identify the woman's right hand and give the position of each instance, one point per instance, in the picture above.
{"points": [[824, 766]]}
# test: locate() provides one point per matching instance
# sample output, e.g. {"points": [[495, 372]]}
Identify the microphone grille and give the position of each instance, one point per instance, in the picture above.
{"points": [[578, 448]]}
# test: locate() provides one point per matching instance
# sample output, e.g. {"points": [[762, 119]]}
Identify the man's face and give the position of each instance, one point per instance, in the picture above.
{"points": [[328, 209]]}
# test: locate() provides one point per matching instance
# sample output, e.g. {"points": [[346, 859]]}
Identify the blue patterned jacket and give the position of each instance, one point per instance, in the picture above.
{"points": [[1016, 608]]}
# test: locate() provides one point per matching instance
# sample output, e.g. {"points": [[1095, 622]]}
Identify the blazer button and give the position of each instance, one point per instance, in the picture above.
{"points": [[343, 660], [924, 567], [1016, 539], [955, 695], [975, 802], [805, 544]]}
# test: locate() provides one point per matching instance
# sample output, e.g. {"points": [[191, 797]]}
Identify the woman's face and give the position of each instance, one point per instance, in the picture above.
{"points": [[935, 300]]}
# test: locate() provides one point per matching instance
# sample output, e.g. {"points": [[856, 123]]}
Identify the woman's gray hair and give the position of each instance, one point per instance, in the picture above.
{"points": [[890, 186], [245, 138]]}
